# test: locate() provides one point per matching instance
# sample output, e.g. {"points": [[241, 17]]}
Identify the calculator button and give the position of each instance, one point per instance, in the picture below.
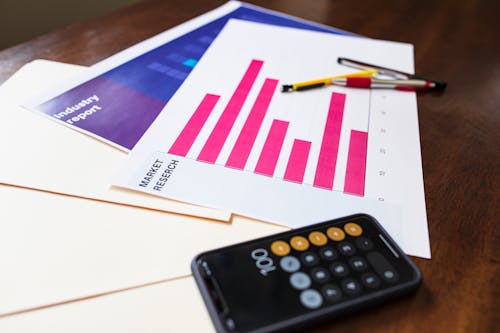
{"points": [[370, 280], [280, 248], [320, 275], [350, 286], [383, 268], [331, 292], [335, 234], [318, 238], [364, 243], [290, 264], [390, 275], [346, 249], [328, 253], [353, 229], [309, 258], [358, 264], [299, 243], [339, 269], [311, 299], [300, 280]]}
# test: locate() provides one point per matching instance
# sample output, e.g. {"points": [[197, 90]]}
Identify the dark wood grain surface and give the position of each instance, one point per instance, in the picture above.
{"points": [[456, 41]]}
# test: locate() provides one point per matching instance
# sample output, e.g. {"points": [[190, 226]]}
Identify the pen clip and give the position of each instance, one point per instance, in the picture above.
{"points": [[381, 70], [399, 75]]}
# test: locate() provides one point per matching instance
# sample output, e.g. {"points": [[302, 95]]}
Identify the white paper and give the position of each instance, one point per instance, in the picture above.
{"points": [[39, 153], [289, 55], [57, 248], [174, 306], [77, 247]]}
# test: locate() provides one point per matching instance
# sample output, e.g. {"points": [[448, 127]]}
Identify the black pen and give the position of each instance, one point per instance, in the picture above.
{"points": [[399, 75]]}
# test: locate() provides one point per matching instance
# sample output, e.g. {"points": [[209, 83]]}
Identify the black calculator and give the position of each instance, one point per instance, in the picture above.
{"points": [[303, 276]]}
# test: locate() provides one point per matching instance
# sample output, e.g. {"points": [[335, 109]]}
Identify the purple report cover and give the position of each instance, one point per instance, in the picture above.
{"points": [[119, 104]]}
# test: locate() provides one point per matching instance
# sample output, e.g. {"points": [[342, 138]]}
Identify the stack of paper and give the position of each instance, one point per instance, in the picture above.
{"points": [[78, 254], [41, 154], [228, 138], [55, 248]]}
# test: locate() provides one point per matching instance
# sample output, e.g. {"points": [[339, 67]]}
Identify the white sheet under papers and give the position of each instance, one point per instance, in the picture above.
{"points": [[229, 139], [57, 248], [165, 307]]}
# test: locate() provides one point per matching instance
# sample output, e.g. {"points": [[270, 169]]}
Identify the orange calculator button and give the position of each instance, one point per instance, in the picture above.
{"points": [[299, 243], [280, 248], [353, 229], [335, 234], [318, 238]]}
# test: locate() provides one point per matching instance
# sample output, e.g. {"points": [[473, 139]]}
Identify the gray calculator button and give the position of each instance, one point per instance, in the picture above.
{"points": [[311, 299], [320, 275], [364, 243], [370, 280], [347, 249], [328, 253], [339, 269], [358, 264], [351, 286], [309, 258], [390, 275], [290, 264], [331, 292], [300, 280]]}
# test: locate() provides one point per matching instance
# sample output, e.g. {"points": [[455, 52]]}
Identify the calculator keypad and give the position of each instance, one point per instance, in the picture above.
{"points": [[328, 266]]}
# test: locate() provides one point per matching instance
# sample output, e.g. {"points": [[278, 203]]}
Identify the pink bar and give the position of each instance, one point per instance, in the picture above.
{"points": [[193, 127], [241, 150], [272, 148], [219, 134], [356, 163], [327, 160], [298, 160]]}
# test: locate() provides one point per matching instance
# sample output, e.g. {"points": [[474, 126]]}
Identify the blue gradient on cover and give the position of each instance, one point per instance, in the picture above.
{"points": [[161, 71]]}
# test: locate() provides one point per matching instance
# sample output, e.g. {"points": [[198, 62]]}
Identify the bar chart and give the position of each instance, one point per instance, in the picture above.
{"points": [[230, 139], [277, 134]]}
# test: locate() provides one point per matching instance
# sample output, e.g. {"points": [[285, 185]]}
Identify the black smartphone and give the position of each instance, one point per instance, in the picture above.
{"points": [[303, 276]]}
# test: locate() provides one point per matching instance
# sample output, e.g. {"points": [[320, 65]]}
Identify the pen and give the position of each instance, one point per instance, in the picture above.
{"points": [[368, 82], [438, 85], [324, 81]]}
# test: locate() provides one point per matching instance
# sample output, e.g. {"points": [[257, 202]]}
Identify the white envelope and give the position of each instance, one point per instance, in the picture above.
{"points": [[39, 153]]}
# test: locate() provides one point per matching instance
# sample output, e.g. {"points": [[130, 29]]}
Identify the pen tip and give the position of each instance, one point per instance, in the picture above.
{"points": [[286, 87]]}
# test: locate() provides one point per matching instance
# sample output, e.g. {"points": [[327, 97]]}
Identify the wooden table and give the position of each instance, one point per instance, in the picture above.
{"points": [[456, 41]]}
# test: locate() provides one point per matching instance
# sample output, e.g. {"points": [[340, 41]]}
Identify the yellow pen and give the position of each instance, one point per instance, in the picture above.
{"points": [[324, 81]]}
